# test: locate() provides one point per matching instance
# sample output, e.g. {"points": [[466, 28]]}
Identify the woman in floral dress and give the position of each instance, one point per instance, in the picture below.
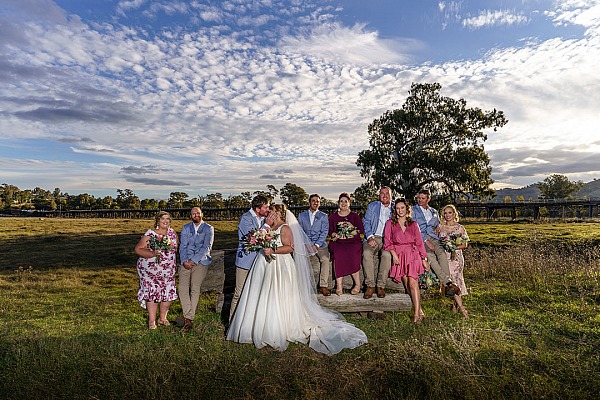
{"points": [[345, 245], [156, 268], [455, 236]]}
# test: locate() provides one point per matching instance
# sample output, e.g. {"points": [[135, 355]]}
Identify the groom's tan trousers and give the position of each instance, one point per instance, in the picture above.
{"points": [[240, 279]]}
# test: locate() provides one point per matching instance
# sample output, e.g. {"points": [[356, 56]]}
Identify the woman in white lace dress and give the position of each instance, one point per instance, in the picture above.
{"points": [[278, 304]]}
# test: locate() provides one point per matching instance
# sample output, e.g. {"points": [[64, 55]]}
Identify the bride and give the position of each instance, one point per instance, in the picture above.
{"points": [[279, 305]]}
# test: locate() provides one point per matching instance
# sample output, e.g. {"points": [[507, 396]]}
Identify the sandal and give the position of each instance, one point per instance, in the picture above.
{"points": [[164, 322], [339, 292], [355, 290], [464, 312], [152, 325]]}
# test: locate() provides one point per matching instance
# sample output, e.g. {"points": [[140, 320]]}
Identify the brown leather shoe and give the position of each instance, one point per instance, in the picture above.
{"points": [[187, 326], [369, 292], [451, 290], [324, 291], [380, 292]]}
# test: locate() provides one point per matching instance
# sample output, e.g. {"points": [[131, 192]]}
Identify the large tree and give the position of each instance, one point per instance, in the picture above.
{"points": [[177, 199], [126, 199], [293, 195], [558, 186], [434, 142]]}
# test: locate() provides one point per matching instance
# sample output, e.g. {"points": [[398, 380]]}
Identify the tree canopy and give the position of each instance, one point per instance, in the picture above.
{"points": [[432, 142], [293, 195], [558, 186]]}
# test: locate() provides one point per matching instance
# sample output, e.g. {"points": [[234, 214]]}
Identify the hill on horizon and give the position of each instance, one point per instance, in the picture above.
{"points": [[531, 192]]}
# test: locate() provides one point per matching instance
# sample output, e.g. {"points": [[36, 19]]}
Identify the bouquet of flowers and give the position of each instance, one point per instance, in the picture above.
{"points": [[345, 230], [428, 279], [160, 242], [261, 239], [452, 241]]}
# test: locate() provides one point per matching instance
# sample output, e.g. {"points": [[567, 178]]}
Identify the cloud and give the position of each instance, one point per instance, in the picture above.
{"points": [[352, 45], [144, 169], [155, 182], [584, 13], [487, 18], [536, 164], [272, 177]]}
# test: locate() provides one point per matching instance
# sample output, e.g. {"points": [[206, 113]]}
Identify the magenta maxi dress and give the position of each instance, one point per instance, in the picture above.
{"points": [[409, 247], [346, 254]]}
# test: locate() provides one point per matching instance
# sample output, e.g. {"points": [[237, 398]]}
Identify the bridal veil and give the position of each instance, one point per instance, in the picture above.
{"points": [[329, 331]]}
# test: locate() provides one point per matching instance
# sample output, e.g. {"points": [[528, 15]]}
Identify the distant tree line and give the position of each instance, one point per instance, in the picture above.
{"points": [[11, 197]]}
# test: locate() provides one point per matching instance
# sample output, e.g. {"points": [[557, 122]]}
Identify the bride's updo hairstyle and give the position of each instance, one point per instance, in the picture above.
{"points": [[280, 209]]}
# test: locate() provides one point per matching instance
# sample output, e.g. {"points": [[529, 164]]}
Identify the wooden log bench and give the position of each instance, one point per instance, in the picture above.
{"points": [[220, 279]]}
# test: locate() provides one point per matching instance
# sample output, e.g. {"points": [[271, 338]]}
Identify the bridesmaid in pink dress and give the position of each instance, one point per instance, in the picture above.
{"points": [[402, 238]]}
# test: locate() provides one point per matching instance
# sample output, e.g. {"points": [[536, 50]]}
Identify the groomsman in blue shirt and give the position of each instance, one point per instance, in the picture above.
{"points": [[315, 224], [255, 218], [376, 261], [195, 244]]}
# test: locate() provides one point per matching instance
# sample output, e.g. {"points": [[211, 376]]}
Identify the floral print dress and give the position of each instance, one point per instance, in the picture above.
{"points": [[456, 263], [157, 279]]}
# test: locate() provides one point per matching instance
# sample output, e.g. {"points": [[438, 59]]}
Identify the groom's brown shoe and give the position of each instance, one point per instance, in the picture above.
{"points": [[324, 291], [369, 292], [187, 325]]}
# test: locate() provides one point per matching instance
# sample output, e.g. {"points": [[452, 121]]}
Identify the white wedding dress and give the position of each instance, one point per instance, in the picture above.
{"points": [[278, 305]]}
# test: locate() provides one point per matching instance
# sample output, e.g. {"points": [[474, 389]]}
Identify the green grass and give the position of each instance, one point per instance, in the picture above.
{"points": [[70, 326]]}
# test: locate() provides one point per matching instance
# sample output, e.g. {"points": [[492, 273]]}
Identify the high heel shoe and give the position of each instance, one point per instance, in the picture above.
{"points": [[355, 290], [464, 312], [339, 292]]}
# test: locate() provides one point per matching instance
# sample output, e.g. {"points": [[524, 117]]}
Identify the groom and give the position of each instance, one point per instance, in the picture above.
{"points": [[253, 219]]}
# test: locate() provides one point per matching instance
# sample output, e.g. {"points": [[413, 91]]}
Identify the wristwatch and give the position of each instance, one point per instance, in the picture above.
{"points": [[425, 259]]}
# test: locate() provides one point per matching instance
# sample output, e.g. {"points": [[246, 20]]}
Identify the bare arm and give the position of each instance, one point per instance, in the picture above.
{"points": [[142, 250], [286, 243]]}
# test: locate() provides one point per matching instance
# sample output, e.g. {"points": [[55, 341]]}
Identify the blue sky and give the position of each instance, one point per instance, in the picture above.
{"points": [[230, 96]]}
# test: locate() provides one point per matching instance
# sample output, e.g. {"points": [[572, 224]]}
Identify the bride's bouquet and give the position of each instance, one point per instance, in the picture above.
{"points": [[261, 239], [345, 230], [160, 242], [452, 241]]}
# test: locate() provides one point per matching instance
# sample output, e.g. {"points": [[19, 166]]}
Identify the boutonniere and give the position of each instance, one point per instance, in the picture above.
{"points": [[316, 217]]}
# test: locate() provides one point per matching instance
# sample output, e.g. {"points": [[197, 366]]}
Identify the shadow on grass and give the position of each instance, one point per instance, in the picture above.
{"points": [[82, 250]]}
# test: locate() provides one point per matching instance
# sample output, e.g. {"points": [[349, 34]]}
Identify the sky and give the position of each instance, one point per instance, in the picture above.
{"points": [[230, 96]]}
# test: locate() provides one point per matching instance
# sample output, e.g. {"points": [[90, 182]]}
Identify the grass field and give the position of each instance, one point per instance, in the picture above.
{"points": [[70, 326]]}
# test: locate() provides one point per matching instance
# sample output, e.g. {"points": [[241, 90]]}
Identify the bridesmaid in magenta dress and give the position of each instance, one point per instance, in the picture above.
{"points": [[345, 246], [402, 238]]}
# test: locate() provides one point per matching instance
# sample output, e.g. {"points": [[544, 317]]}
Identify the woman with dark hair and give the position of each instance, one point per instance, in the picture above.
{"points": [[346, 231], [156, 268], [402, 238]]}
